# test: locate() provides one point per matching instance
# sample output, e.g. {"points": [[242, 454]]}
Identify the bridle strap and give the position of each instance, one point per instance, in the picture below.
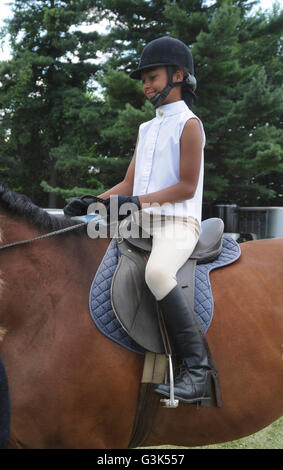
{"points": [[46, 235]]}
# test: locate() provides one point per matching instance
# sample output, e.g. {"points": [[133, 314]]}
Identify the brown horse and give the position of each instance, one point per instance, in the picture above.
{"points": [[71, 387]]}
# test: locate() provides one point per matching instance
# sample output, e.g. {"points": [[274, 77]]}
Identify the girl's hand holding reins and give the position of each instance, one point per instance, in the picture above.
{"points": [[78, 206], [131, 204]]}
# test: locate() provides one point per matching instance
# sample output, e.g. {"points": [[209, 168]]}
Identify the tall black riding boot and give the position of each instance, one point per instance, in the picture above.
{"points": [[193, 383]]}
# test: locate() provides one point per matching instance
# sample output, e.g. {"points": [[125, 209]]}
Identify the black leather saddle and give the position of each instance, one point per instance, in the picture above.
{"points": [[137, 311]]}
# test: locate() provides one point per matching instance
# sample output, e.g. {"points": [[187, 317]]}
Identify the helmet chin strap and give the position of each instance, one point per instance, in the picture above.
{"points": [[159, 98]]}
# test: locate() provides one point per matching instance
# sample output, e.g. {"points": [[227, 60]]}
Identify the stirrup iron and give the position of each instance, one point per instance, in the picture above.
{"points": [[171, 402]]}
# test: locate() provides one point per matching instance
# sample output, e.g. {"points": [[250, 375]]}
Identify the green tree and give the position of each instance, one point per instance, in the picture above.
{"points": [[256, 169], [48, 118], [57, 130], [244, 156], [238, 65]]}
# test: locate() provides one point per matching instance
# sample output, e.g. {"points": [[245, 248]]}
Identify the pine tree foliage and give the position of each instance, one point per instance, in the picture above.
{"points": [[47, 114], [70, 113]]}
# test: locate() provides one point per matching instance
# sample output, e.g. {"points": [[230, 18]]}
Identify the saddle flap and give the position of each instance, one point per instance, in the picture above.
{"points": [[137, 310]]}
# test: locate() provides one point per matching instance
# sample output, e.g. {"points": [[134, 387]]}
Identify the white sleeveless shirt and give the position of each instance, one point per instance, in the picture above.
{"points": [[158, 159]]}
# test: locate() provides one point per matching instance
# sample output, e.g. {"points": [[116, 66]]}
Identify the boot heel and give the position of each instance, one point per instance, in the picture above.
{"points": [[217, 390], [212, 381], [208, 389]]}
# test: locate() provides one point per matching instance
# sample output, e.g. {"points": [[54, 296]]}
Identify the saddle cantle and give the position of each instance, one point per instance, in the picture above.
{"points": [[119, 283]]}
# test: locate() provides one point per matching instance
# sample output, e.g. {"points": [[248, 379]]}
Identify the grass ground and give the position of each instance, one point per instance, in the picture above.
{"points": [[270, 437]]}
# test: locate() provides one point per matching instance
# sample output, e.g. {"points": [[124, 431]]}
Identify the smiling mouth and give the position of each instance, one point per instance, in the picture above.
{"points": [[150, 94]]}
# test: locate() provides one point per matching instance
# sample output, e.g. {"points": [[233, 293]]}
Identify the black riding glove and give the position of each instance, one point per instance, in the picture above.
{"points": [[79, 205], [123, 200]]}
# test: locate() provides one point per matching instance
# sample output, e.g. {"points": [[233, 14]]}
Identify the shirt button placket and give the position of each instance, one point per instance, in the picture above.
{"points": [[149, 156]]}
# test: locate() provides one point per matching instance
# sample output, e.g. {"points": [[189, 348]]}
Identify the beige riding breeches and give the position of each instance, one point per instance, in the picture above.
{"points": [[173, 241]]}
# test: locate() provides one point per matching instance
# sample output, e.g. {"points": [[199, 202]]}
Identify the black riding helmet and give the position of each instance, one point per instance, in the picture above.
{"points": [[167, 52]]}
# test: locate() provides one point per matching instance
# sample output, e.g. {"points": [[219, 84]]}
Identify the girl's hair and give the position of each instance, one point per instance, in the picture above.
{"points": [[188, 94]]}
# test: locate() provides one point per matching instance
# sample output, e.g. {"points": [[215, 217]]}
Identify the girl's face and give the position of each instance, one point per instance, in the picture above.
{"points": [[155, 80]]}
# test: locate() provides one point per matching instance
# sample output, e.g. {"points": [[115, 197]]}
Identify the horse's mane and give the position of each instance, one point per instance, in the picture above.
{"points": [[20, 205]]}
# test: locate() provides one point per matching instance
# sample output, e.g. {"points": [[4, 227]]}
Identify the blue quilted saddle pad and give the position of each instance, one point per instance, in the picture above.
{"points": [[100, 296]]}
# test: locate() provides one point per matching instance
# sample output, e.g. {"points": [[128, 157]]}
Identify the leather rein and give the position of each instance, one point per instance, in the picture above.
{"points": [[46, 235]]}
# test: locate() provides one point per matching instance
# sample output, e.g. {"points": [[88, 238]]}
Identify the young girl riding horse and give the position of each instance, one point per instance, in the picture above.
{"points": [[165, 181]]}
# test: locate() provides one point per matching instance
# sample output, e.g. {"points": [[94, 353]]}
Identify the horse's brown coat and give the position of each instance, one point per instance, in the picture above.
{"points": [[71, 387]]}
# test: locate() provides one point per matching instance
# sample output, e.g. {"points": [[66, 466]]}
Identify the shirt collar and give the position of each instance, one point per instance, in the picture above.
{"points": [[171, 109]]}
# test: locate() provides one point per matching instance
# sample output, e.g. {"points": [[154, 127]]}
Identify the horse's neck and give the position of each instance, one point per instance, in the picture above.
{"points": [[84, 253]]}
